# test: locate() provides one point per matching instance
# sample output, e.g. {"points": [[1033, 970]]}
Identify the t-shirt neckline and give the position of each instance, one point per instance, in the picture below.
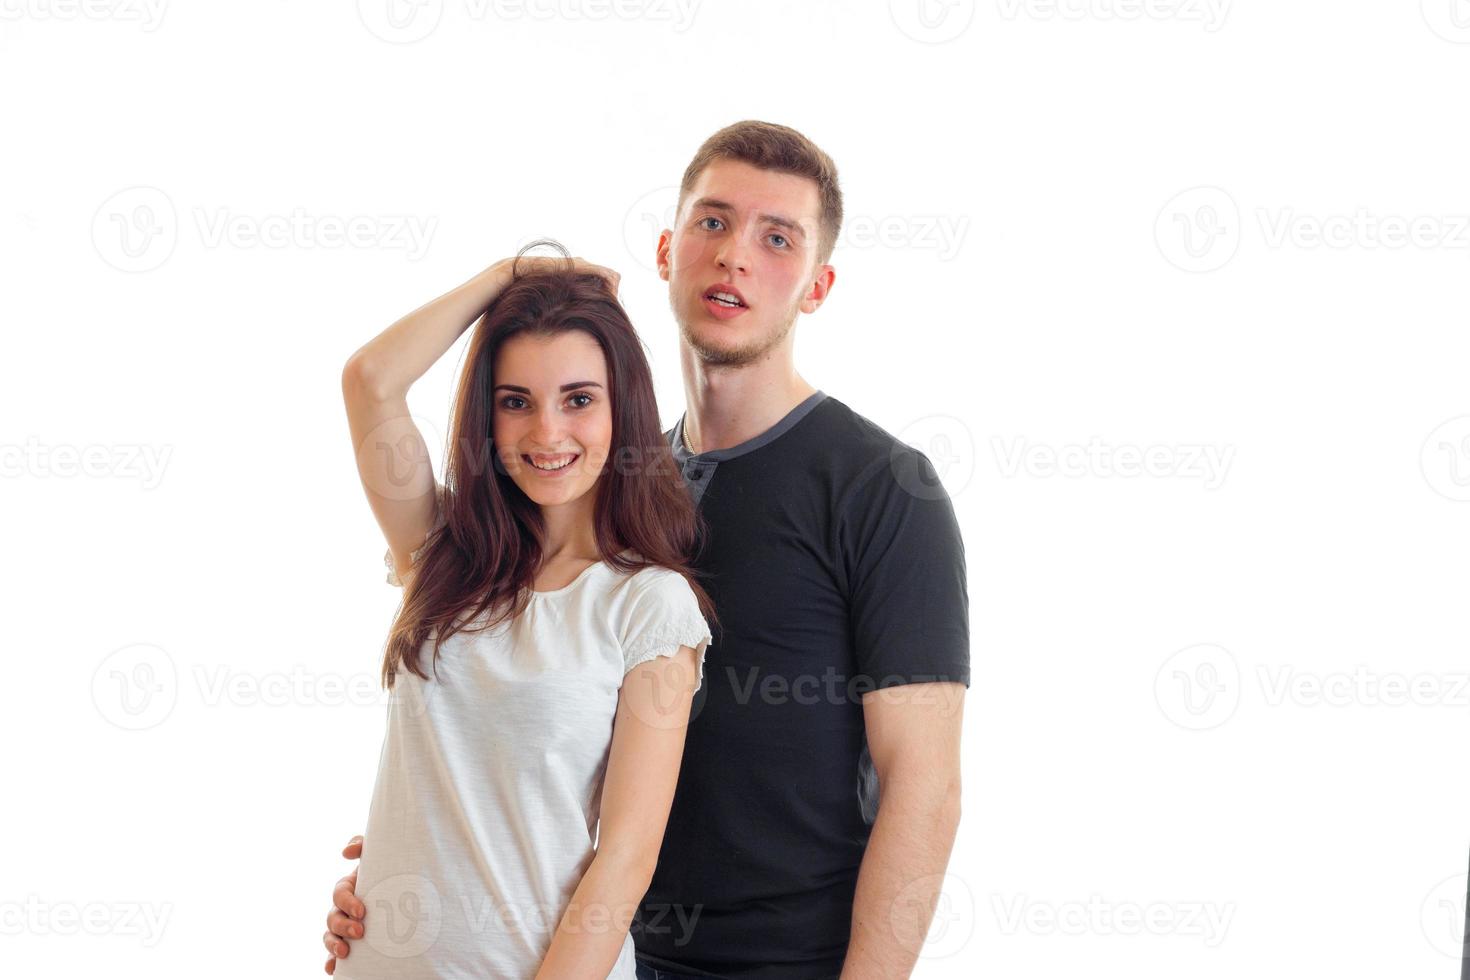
{"points": [[682, 453], [580, 576]]}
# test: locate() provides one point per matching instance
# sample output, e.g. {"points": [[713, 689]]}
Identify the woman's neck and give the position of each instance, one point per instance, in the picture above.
{"points": [[569, 530]]}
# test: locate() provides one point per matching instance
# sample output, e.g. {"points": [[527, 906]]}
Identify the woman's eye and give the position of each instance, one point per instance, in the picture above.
{"points": [[506, 402], [582, 395]]}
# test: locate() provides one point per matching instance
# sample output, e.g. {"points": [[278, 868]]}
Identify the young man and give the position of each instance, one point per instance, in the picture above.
{"points": [[819, 794]]}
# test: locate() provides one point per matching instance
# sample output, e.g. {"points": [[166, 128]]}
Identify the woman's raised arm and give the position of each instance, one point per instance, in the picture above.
{"points": [[392, 459]]}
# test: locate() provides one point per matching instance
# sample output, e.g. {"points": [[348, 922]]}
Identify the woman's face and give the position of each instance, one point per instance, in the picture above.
{"points": [[552, 414]]}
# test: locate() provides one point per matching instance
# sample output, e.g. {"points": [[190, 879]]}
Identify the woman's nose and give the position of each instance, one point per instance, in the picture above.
{"points": [[547, 429]]}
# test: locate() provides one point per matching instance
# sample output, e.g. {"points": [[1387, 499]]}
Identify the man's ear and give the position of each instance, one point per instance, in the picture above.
{"points": [[661, 253], [821, 286]]}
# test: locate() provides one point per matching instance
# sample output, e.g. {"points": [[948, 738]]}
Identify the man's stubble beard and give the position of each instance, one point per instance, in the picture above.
{"points": [[740, 356]]}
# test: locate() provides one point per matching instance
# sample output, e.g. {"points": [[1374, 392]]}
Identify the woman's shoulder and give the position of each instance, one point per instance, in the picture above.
{"points": [[647, 578]]}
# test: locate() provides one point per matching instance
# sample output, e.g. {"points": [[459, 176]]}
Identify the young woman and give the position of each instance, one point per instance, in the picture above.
{"points": [[550, 640]]}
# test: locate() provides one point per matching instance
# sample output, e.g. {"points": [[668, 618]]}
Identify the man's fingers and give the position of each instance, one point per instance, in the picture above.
{"points": [[335, 946], [342, 926], [353, 850], [331, 966], [344, 896]]}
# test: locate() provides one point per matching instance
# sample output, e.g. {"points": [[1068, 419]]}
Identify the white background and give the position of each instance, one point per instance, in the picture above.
{"points": [[1218, 714]]}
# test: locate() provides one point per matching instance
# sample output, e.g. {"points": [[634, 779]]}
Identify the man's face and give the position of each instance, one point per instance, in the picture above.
{"points": [[751, 234]]}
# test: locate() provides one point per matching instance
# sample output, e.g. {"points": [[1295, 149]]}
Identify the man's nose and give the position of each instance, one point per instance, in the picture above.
{"points": [[734, 253]]}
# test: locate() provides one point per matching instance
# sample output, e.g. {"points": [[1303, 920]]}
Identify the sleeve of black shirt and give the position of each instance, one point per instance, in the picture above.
{"points": [[905, 567]]}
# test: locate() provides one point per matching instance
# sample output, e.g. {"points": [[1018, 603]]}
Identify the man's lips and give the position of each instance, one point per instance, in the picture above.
{"points": [[728, 290], [722, 311]]}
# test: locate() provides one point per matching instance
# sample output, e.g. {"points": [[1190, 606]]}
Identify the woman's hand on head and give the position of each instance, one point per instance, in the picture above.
{"points": [[555, 263]]}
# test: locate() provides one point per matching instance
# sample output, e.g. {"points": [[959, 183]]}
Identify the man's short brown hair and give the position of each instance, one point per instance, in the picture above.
{"points": [[780, 148]]}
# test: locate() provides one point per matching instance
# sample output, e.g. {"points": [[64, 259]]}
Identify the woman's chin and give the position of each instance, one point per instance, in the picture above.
{"points": [[551, 494]]}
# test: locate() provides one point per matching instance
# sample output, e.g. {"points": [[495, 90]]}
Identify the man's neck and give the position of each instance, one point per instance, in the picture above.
{"points": [[731, 405]]}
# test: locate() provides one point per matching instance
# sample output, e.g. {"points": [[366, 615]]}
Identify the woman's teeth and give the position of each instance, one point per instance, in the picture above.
{"points": [[553, 464]]}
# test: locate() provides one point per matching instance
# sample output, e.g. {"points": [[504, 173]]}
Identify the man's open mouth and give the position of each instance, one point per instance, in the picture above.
{"points": [[725, 298]]}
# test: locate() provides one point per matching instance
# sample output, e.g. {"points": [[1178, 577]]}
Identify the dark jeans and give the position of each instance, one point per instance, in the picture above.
{"points": [[646, 972]]}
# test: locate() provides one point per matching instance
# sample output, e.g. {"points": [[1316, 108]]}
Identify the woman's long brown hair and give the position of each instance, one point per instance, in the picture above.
{"points": [[485, 556]]}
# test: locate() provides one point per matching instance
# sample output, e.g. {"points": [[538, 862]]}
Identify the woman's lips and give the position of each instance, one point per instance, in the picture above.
{"points": [[549, 474]]}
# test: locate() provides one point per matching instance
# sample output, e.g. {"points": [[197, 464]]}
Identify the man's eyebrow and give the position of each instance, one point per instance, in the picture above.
{"points": [[715, 204], [567, 387]]}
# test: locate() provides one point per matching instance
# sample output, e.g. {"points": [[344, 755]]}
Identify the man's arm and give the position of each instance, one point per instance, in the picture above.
{"points": [[914, 738]]}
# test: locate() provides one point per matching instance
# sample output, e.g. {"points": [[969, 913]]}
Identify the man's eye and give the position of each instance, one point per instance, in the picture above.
{"points": [[783, 242], [709, 218]]}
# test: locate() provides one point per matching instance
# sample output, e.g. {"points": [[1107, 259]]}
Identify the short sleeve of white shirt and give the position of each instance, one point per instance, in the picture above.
{"points": [[661, 616]]}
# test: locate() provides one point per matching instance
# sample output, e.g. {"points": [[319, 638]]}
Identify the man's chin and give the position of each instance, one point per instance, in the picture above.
{"points": [[715, 342], [727, 348]]}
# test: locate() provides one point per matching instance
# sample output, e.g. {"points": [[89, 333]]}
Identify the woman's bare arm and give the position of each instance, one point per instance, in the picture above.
{"points": [[392, 458], [637, 791]]}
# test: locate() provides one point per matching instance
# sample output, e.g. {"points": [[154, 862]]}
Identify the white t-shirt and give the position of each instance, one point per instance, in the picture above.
{"points": [[490, 781]]}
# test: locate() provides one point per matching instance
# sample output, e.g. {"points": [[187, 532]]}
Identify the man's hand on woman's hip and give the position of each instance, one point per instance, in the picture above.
{"points": [[344, 922]]}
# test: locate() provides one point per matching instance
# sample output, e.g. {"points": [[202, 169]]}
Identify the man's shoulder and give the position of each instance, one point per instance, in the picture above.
{"points": [[854, 443]]}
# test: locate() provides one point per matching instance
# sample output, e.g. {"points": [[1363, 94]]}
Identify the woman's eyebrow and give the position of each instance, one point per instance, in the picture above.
{"points": [[566, 387]]}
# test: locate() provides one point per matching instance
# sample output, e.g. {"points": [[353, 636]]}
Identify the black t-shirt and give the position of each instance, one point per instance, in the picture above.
{"points": [[835, 564]]}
